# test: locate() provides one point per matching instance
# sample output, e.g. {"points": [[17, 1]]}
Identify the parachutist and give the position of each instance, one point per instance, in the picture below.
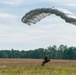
{"points": [[46, 60]]}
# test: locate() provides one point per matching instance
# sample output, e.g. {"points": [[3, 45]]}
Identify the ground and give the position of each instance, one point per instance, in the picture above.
{"points": [[33, 67]]}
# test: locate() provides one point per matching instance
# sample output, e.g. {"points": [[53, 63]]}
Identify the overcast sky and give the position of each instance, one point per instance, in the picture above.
{"points": [[50, 31]]}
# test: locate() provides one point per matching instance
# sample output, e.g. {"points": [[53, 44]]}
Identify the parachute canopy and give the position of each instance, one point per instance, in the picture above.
{"points": [[36, 15]]}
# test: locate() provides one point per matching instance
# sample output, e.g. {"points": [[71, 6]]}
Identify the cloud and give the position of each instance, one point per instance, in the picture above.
{"points": [[19, 2], [61, 2], [12, 2], [6, 15], [7, 18], [57, 1], [51, 30], [71, 4]]}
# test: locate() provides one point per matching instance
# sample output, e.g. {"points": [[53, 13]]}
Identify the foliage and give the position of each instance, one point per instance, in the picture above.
{"points": [[62, 52]]}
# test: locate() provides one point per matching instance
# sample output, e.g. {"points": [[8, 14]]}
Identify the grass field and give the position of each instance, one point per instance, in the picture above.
{"points": [[33, 67]]}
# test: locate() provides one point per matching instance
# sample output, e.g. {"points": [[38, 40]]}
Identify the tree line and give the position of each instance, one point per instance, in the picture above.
{"points": [[62, 52]]}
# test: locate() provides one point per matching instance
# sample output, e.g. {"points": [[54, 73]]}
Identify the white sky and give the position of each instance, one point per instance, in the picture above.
{"points": [[50, 31]]}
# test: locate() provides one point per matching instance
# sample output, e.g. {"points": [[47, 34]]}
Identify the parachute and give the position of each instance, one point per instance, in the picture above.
{"points": [[36, 15]]}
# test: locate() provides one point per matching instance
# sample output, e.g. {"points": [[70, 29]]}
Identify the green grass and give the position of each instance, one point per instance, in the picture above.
{"points": [[55, 67], [37, 70]]}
